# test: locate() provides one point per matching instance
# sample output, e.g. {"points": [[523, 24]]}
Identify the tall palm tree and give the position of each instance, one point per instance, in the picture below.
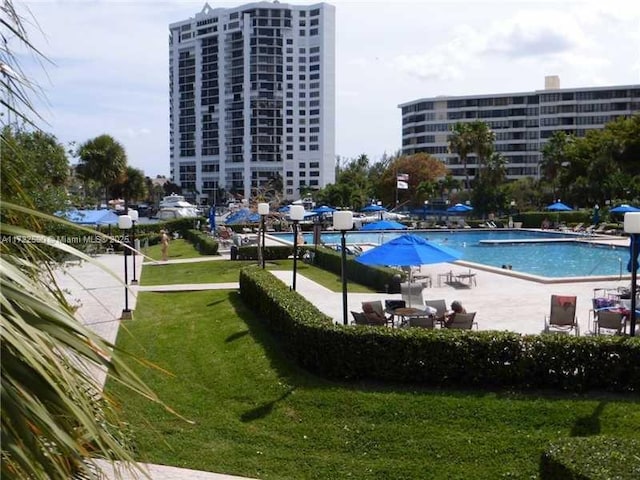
{"points": [[482, 141], [554, 153], [104, 160], [460, 143]]}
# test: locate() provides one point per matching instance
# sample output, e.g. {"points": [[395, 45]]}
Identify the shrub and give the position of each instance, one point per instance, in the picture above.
{"points": [[439, 357], [591, 458], [204, 243], [271, 252]]}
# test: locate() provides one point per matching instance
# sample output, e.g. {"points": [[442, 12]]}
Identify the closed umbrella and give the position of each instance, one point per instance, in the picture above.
{"points": [[212, 218]]}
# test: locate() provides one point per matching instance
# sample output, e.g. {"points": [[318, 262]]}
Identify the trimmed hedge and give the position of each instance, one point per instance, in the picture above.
{"points": [[439, 357], [204, 243], [591, 458], [378, 278], [271, 252]]}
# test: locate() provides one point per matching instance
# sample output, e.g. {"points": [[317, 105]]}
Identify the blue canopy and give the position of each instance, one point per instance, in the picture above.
{"points": [[408, 250], [384, 225], [459, 208], [624, 208], [324, 209], [558, 207], [90, 217], [241, 216], [374, 208]]}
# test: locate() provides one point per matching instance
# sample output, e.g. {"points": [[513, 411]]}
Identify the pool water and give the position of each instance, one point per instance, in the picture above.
{"points": [[545, 259]]}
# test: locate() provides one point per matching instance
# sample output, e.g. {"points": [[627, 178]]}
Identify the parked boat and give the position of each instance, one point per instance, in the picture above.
{"points": [[175, 206]]}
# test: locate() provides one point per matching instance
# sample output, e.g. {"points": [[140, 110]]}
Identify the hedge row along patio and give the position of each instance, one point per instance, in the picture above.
{"points": [[438, 357]]}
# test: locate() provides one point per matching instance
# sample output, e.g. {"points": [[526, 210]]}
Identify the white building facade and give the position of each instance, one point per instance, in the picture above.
{"points": [[252, 99], [522, 122]]}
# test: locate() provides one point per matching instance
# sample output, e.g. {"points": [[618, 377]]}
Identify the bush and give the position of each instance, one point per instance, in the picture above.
{"points": [[271, 252], [591, 458], [204, 243], [378, 278], [439, 357]]}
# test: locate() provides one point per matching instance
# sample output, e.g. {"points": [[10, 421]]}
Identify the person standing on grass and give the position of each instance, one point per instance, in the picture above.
{"points": [[164, 244]]}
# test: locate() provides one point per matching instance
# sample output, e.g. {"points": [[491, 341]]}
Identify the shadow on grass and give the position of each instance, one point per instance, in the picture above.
{"points": [[236, 336], [265, 409], [590, 424]]}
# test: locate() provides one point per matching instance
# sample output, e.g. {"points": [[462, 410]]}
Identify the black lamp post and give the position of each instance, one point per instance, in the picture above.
{"points": [[296, 213], [343, 221], [134, 218], [632, 226], [263, 211], [125, 223]]}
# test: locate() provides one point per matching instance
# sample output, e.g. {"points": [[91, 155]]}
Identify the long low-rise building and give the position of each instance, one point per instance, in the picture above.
{"points": [[522, 122]]}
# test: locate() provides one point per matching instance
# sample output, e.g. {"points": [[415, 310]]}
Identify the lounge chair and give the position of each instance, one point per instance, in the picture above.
{"points": [[463, 321], [441, 308], [412, 294], [608, 320], [562, 315]]}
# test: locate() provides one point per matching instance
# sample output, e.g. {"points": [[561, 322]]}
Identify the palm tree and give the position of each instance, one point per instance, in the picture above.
{"points": [[104, 160], [553, 155], [132, 187], [460, 143], [482, 139], [55, 420]]}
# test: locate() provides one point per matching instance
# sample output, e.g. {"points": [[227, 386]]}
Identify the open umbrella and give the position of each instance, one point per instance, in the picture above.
{"points": [[459, 208], [384, 225], [374, 208], [406, 251], [324, 209], [558, 207], [624, 208]]}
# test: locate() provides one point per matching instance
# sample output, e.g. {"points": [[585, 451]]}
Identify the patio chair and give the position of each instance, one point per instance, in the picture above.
{"points": [[441, 308], [412, 294], [427, 322], [463, 321], [374, 312], [562, 315], [608, 320]]}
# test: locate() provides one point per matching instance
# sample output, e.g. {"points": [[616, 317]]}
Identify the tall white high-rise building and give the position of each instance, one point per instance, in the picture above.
{"points": [[252, 99]]}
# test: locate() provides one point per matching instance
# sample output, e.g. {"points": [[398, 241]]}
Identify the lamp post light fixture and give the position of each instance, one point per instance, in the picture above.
{"points": [[343, 221], [263, 211], [134, 218], [632, 227], [296, 213], [125, 223]]}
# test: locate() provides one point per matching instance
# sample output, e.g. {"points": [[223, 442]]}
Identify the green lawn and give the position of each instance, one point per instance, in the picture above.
{"points": [[229, 271], [257, 415], [179, 248]]}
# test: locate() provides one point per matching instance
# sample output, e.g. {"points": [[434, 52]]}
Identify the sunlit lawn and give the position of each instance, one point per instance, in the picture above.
{"points": [[229, 271], [257, 415], [179, 248]]}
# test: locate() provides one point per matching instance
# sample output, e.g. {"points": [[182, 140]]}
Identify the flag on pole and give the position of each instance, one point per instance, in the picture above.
{"points": [[403, 181]]}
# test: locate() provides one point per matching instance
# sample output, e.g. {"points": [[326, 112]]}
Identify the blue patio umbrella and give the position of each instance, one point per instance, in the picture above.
{"points": [[374, 208], [558, 207], [459, 208], [384, 225], [624, 208], [90, 217], [284, 209], [324, 209], [408, 250]]}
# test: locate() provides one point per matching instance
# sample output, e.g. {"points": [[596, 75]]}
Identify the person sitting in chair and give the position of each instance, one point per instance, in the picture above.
{"points": [[456, 307]]}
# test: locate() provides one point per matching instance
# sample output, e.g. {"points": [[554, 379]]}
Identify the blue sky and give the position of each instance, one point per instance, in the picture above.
{"points": [[110, 62]]}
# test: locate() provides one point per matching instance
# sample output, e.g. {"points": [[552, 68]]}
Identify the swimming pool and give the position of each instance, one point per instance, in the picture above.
{"points": [[545, 259]]}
